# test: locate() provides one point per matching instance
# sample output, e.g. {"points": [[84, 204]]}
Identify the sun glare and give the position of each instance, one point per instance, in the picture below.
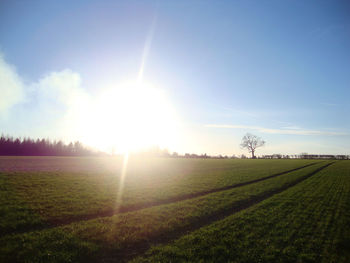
{"points": [[130, 117]]}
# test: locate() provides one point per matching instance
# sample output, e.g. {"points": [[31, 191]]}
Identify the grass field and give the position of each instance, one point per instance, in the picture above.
{"points": [[173, 210], [307, 223]]}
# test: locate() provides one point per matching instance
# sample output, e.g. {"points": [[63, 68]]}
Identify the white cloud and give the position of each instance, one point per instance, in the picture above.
{"points": [[11, 87], [63, 102], [63, 87], [290, 131], [54, 106]]}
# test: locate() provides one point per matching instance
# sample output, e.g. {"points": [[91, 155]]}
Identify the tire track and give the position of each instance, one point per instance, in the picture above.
{"points": [[142, 247], [133, 208], [136, 207]]}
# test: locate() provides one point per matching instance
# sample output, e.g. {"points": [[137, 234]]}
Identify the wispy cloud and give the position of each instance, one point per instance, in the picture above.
{"points": [[286, 130], [11, 87], [329, 104], [291, 128]]}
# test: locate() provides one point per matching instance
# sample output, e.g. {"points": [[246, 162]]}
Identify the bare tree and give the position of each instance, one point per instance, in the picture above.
{"points": [[251, 142]]}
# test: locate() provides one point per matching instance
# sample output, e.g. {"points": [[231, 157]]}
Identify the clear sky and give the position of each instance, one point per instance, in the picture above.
{"points": [[206, 73]]}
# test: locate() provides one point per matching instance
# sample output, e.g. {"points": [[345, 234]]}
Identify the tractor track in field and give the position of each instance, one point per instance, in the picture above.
{"points": [[133, 208], [140, 248], [61, 222]]}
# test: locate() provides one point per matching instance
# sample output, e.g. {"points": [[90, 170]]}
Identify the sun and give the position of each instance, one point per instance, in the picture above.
{"points": [[130, 117]]}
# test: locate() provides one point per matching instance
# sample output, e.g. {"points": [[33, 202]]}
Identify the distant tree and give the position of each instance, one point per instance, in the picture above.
{"points": [[30, 147], [304, 155], [277, 156], [251, 142]]}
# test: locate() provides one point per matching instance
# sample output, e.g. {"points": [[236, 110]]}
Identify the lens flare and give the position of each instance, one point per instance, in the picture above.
{"points": [[121, 183]]}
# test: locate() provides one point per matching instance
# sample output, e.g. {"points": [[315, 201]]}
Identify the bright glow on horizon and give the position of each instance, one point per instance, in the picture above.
{"points": [[129, 117]]}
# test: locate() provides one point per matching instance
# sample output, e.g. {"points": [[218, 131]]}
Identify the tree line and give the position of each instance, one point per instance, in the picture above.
{"points": [[307, 156], [46, 147], [41, 147]]}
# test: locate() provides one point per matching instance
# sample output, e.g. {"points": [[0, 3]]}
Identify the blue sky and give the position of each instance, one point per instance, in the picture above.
{"points": [[277, 69]]}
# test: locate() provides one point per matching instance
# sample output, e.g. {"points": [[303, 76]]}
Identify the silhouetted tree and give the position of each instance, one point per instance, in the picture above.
{"points": [[251, 142]]}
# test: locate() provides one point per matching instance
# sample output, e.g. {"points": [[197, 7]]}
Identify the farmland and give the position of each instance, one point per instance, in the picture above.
{"points": [[68, 210]]}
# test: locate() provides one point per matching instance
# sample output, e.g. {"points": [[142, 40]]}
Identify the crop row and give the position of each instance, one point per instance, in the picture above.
{"points": [[307, 223], [126, 235]]}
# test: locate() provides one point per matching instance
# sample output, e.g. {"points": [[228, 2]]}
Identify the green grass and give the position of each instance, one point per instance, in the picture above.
{"points": [[41, 191], [300, 216], [124, 234], [306, 223]]}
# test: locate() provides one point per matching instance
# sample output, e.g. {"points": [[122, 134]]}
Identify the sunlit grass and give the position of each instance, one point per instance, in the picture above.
{"points": [[64, 193], [306, 223], [120, 233]]}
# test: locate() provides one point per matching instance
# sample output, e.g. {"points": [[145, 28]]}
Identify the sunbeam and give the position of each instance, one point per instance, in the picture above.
{"points": [[121, 183], [147, 48]]}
